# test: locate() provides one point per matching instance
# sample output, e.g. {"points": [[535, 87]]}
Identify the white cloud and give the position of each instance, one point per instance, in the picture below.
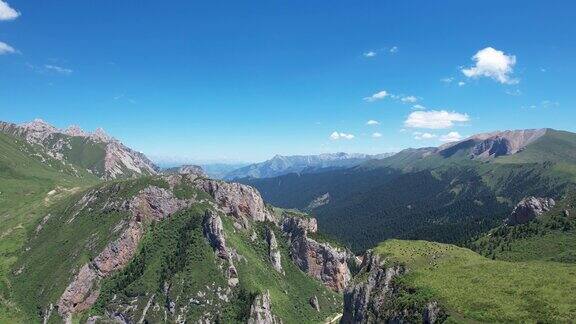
{"points": [[550, 104], [423, 136], [409, 99], [493, 64], [370, 54], [58, 69], [546, 104], [6, 49], [337, 136], [6, 12], [513, 92], [461, 83], [434, 119], [376, 135], [418, 107], [372, 122], [394, 49], [447, 80], [451, 137], [377, 96]]}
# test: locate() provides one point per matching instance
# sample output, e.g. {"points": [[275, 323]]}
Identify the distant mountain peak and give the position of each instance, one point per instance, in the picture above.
{"points": [[75, 130], [117, 160], [494, 144], [280, 165], [100, 135]]}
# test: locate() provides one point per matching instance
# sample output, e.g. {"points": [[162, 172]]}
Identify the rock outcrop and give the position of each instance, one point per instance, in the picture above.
{"points": [[373, 300], [238, 200], [314, 303], [214, 233], [261, 310], [319, 260], [273, 251], [150, 204], [528, 209]]}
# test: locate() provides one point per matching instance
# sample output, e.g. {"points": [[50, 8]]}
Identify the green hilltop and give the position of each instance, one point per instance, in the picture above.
{"points": [[473, 288]]}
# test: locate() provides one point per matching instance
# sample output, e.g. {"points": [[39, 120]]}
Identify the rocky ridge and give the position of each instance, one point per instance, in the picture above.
{"points": [[374, 298], [117, 160], [156, 203], [320, 260]]}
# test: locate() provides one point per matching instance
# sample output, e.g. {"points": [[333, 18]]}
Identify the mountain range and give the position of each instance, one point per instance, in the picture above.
{"points": [[97, 152], [280, 165], [479, 230], [447, 194]]}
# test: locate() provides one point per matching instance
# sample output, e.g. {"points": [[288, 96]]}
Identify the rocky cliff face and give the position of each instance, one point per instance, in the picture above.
{"points": [[261, 310], [273, 251], [528, 209], [320, 260], [375, 298], [117, 160], [214, 233], [237, 200]]}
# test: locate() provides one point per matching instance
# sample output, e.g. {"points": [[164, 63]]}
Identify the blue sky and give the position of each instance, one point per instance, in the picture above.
{"points": [[243, 81]]}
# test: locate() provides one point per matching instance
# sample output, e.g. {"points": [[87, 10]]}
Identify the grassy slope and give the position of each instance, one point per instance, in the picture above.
{"points": [[475, 288], [87, 154], [24, 185]]}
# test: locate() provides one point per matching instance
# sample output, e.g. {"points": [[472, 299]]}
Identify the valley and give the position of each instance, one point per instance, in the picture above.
{"points": [[93, 234]]}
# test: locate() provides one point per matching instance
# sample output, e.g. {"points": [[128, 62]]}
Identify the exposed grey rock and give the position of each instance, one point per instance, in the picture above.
{"points": [[528, 209], [296, 226], [273, 252], [319, 260], [74, 130], [241, 201], [566, 213], [373, 299], [120, 158], [432, 312], [261, 310], [214, 233], [314, 303]]}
